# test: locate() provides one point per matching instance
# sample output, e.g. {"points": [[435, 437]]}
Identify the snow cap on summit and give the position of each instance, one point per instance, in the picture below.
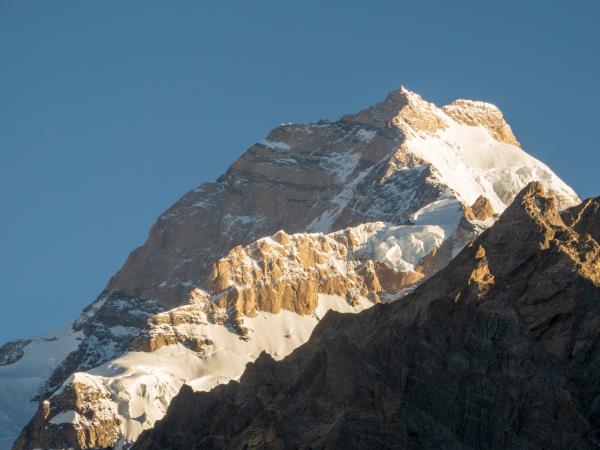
{"points": [[471, 112], [408, 111], [403, 109]]}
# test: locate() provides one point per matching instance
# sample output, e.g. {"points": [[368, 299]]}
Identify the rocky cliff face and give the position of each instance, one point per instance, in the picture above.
{"points": [[295, 278], [498, 350], [358, 211], [322, 177], [11, 352], [370, 263]]}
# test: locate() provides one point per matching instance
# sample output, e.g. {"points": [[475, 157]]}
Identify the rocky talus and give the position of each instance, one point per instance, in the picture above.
{"points": [[498, 350]]}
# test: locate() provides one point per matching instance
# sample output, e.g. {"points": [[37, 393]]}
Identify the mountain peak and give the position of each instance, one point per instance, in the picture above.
{"points": [[408, 111], [370, 206], [471, 112], [401, 109]]}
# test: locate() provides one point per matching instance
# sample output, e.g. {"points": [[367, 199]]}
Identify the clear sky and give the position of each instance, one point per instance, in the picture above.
{"points": [[111, 110]]}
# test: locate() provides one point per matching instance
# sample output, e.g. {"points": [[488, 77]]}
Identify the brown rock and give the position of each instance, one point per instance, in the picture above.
{"points": [[480, 210], [404, 110], [583, 218]]}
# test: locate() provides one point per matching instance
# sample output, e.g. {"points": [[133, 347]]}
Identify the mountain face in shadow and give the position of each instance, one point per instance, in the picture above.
{"points": [[500, 349]]}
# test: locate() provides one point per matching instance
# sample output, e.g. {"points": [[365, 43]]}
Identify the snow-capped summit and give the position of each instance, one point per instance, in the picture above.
{"points": [[470, 112], [402, 109], [329, 215]]}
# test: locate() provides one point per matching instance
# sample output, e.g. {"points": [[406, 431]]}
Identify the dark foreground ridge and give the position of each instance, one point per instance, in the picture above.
{"points": [[498, 350]]}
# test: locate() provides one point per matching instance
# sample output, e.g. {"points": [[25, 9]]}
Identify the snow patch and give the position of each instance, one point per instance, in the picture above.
{"points": [[22, 380], [325, 220], [68, 416], [340, 165], [274, 145], [445, 212], [366, 135], [403, 246], [119, 330]]}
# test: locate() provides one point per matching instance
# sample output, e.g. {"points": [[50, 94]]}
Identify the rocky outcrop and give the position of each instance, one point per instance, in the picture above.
{"points": [[164, 327], [583, 218], [372, 262], [289, 271], [403, 110], [13, 351], [497, 350], [79, 417], [111, 325], [480, 210]]}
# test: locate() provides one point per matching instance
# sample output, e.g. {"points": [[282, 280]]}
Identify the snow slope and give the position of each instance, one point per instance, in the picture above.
{"points": [[142, 384], [21, 381], [472, 163]]}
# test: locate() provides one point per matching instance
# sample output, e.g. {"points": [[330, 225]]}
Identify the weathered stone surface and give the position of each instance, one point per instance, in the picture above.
{"points": [[284, 183], [77, 417], [480, 210], [583, 218], [498, 350], [12, 351], [111, 325], [289, 272], [404, 110]]}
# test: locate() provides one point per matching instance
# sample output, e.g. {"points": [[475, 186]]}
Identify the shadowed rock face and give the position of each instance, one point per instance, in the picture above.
{"points": [[584, 217], [12, 351], [498, 350]]}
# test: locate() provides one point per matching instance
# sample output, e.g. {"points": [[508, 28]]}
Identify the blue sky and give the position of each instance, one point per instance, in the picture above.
{"points": [[110, 111]]}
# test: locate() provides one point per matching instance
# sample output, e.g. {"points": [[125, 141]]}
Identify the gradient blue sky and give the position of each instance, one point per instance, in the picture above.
{"points": [[111, 110]]}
